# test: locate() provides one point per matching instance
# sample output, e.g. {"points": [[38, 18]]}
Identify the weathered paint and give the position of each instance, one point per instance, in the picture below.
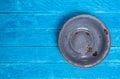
{"points": [[29, 32]]}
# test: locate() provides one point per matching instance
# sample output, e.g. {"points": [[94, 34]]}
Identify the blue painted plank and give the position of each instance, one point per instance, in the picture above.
{"points": [[44, 55], [29, 37], [35, 21], [59, 5], [33, 30], [8, 5], [30, 54], [58, 71], [40, 37], [51, 20], [27, 25]]}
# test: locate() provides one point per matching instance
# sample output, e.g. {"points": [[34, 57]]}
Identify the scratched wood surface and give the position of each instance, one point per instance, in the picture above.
{"points": [[29, 32]]}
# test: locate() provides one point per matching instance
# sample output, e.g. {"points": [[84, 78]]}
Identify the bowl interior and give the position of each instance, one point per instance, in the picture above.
{"points": [[84, 41]]}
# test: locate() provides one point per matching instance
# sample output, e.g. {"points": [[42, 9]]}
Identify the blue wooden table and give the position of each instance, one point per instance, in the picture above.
{"points": [[29, 32]]}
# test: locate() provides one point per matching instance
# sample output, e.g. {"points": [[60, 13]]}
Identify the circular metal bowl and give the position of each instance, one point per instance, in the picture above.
{"points": [[84, 41]]}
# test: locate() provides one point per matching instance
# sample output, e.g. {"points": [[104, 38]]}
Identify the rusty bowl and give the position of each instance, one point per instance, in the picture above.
{"points": [[84, 41]]}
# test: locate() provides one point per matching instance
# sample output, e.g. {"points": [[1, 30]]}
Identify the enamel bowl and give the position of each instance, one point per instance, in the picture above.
{"points": [[84, 41]]}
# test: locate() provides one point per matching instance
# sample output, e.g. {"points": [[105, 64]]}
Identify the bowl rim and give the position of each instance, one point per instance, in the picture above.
{"points": [[108, 38]]}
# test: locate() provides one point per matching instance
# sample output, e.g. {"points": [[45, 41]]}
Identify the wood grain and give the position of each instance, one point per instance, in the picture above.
{"points": [[57, 71], [44, 55], [33, 30], [40, 37], [51, 20], [59, 6], [28, 38]]}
